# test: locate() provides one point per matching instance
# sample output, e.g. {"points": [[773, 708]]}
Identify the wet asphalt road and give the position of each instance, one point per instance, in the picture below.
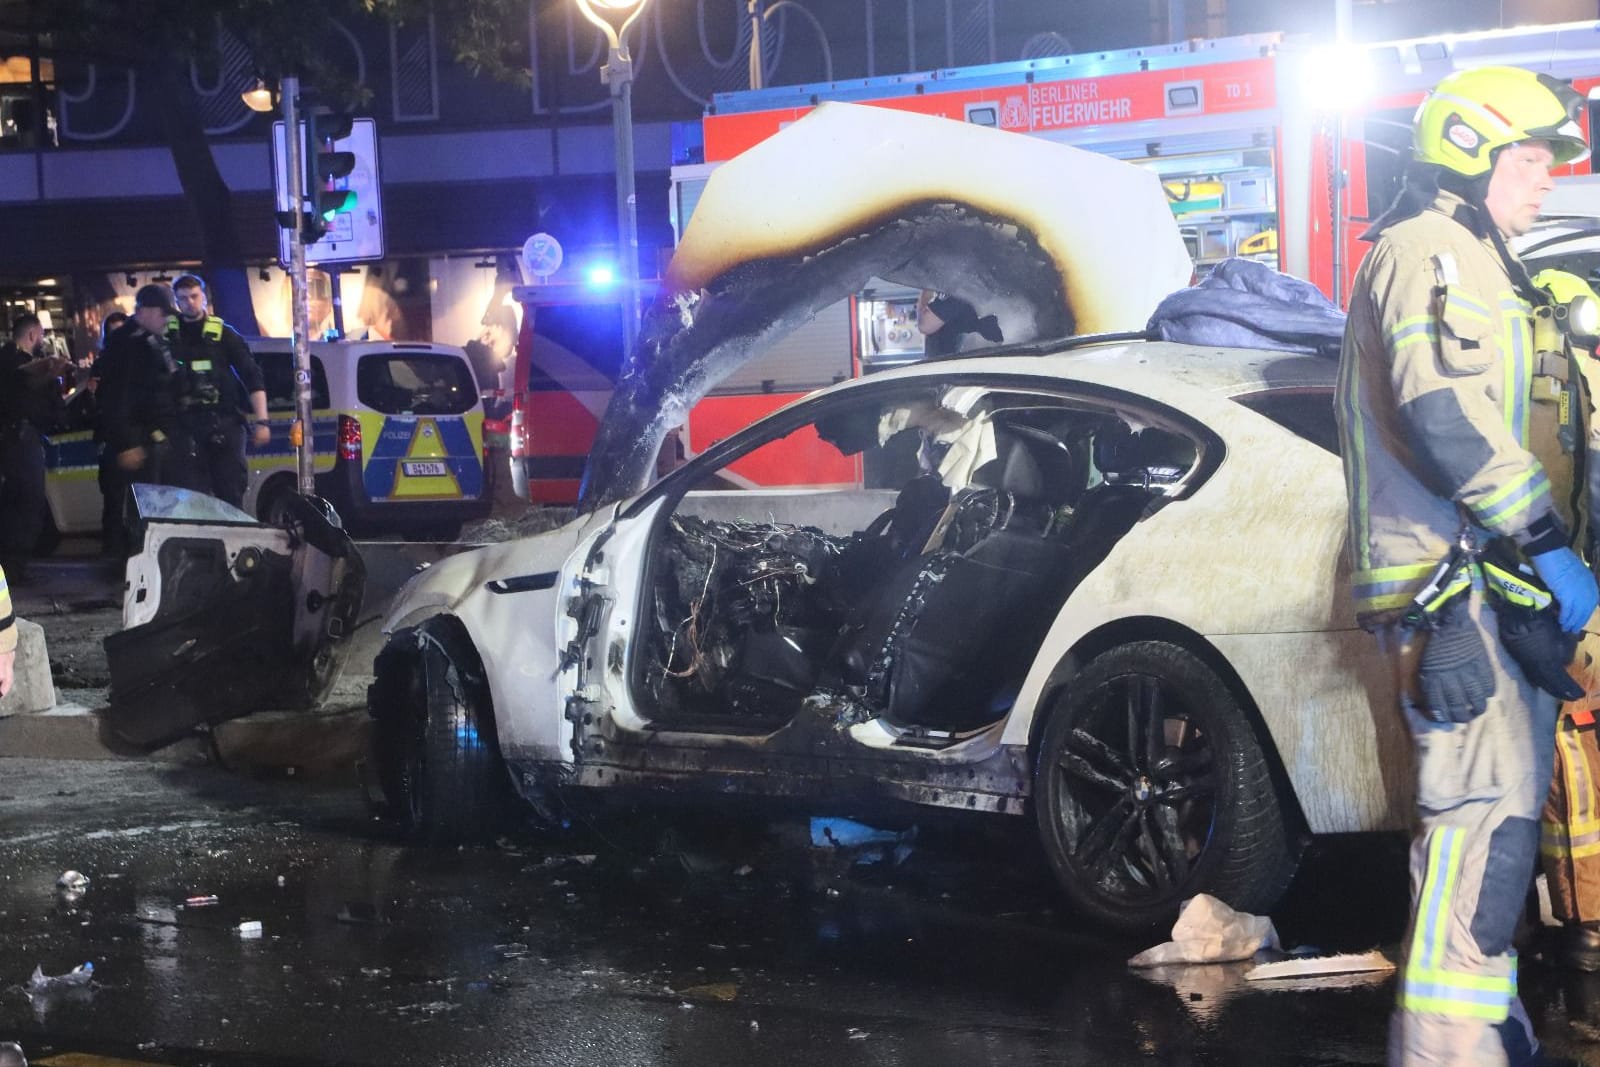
{"points": [[632, 938]]}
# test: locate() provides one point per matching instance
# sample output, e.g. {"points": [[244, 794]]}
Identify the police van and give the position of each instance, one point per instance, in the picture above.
{"points": [[398, 441]]}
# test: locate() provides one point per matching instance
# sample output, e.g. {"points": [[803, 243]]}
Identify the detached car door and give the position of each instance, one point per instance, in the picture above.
{"points": [[223, 616]]}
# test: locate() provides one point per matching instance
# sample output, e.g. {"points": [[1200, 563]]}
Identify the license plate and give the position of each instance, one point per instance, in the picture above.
{"points": [[415, 469]]}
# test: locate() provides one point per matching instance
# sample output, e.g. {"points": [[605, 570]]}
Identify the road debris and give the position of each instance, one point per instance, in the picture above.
{"points": [[360, 913], [1208, 931], [723, 991], [1315, 966], [71, 887], [76, 978], [870, 844], [250, 928]]}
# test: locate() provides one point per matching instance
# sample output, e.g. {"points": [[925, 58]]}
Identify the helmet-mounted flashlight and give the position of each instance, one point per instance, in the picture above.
{"points": [[1576, 308]]}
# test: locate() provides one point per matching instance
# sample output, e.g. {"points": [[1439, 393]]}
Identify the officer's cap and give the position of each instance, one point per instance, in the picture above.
{"points": [[156, 295]]}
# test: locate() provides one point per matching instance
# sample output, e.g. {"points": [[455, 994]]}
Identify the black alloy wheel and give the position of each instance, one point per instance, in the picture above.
{"points": [[1150, 787]]}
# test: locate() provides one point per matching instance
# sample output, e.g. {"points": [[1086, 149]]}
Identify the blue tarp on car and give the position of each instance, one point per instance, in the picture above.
{"points": [[1245, 304]]}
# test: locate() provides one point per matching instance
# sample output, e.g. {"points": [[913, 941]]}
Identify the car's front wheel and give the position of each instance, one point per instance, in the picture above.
{"points": [[434, 735], [1150, 787]]}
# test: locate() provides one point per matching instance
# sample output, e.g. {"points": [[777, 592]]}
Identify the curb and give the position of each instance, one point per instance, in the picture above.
{"points": [[33, 690], [318, 743]]}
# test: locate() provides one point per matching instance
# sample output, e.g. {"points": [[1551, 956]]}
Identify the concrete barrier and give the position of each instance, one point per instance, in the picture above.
{"points": [[34, 690]]}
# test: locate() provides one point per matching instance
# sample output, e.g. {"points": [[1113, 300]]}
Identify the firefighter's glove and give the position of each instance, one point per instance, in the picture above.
{"points": [[1536, 641], [1453, 675], [1570, 582]]}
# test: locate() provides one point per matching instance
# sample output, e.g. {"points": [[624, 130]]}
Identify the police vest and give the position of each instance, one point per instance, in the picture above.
{"points": [[204, 385]]}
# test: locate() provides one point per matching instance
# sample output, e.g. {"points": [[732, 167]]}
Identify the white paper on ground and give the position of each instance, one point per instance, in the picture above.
{"points": [[1208, 931]]}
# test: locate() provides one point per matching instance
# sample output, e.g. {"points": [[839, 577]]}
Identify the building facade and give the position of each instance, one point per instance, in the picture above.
{"points": [[92, 203]]}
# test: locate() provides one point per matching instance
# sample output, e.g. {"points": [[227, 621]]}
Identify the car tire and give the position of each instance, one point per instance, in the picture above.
{"points": [[438, 756], [1135, 820]]}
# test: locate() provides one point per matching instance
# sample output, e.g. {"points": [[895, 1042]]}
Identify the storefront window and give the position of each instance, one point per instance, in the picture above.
{"points": [[27, 119]]}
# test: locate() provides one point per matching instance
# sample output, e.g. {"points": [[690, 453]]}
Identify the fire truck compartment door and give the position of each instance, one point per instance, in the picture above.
{"points": [[815, 354]]}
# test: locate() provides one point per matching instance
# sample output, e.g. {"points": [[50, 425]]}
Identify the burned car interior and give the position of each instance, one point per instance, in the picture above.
{"points": [[919, 592]]}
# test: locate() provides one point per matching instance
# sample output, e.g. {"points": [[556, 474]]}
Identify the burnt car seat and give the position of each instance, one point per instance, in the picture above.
{"points": [[1133, 465], [951, 628]]}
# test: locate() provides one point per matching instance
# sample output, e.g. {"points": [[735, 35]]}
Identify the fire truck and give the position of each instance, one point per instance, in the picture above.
{"points": [[1269, 147]]}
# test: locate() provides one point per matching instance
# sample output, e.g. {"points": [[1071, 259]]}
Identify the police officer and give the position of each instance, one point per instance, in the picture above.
{"points": [[30, 406], [109, 476], [217, 373], [138, 394], [1434, 405]]}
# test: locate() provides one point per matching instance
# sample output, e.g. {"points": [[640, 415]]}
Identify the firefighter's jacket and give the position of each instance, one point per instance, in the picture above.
{"points": [[8, 619], [1435, 405]]}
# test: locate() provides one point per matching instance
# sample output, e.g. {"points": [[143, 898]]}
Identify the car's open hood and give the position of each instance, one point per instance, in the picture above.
{"points": [[1052, 240]]}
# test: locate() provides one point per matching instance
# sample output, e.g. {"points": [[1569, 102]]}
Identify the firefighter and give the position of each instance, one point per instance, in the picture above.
{"points": [[1570, 838], [1570, 834], [1462, 564], [220, 373], [8, 637]]}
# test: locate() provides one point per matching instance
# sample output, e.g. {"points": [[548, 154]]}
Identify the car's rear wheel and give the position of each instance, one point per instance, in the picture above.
{"points": [[438, 756], [1150, 786]]}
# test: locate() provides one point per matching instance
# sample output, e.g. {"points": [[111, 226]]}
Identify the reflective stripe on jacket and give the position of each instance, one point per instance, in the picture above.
{"points": [[1433, 405], [210, 329]]}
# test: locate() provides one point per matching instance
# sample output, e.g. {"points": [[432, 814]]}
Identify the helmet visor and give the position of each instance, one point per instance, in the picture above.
{"points": [[1565, 135]]}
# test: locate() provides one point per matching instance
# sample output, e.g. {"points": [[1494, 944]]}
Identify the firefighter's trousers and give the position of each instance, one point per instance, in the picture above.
{"points": [[1480, 788], [1570, 838]]}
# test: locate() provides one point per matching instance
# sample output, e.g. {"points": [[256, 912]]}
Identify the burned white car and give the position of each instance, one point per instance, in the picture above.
{"points": [[1094, 583]]}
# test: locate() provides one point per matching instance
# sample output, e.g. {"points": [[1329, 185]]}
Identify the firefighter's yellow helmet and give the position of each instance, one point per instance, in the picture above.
{"points": [[1472, 113]]}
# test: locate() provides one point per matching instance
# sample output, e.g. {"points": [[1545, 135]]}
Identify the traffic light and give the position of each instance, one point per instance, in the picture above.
{"points": [[326, 167]]}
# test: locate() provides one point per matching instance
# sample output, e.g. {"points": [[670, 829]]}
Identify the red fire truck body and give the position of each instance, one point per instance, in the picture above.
{"points": [[1247, 133]]}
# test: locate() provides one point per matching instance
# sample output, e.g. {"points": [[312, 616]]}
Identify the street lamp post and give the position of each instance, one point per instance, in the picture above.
{"points": [[617, 74]]}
